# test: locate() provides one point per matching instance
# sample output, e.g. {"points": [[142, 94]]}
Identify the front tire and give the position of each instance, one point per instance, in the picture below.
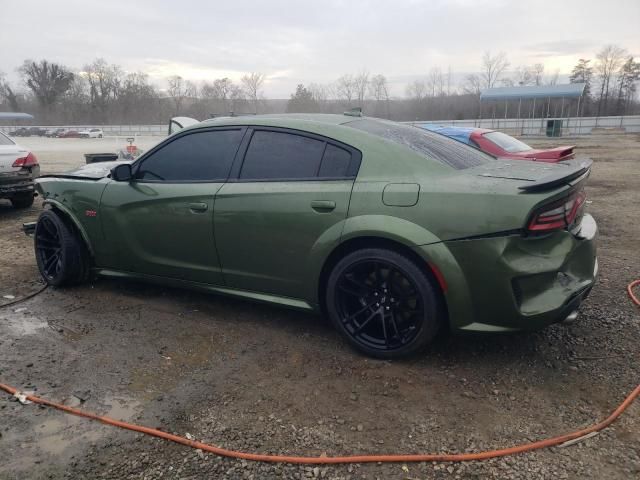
{"points": [[60, 253], [22, 200], [383, 303]]}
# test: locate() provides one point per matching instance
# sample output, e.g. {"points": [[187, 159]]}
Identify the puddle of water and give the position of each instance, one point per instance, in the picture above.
{"points": [[120, 408], [22, 324], [62, 435]]}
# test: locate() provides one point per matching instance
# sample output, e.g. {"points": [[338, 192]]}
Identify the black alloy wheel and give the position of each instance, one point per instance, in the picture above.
{"points": [[60, 253], [383, 303]]}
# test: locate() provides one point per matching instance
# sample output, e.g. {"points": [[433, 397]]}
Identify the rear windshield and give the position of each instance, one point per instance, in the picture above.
{"points": [[4, 140], [506, 142], [428, 144]]}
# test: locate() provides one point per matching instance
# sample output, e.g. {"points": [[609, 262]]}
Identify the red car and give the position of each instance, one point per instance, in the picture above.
{"points": [[69, 134], [501, 145]]}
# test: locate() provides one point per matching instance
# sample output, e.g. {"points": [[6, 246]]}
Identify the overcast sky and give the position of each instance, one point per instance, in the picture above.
{"points": [[317, 41]]}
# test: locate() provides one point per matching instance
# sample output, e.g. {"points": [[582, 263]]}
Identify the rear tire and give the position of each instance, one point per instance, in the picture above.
{"points": [[383, 303], [61, 254], [22, 200]]}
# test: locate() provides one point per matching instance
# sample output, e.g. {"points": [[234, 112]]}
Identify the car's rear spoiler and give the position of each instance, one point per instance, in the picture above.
{"points": [[568, 171]]}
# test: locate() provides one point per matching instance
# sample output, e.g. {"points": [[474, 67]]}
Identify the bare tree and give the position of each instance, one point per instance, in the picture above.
{"points": [[537, 72], [346, 89], [417, 90], [48, 81], [104, 84], [252, 85], [379, 91], [7, 93], [179, 89], [553, 79], [136, 95], [435, 82], [321, 94], [361, 83], [608, 61], [523, 76], [493, 68], [472, 85], [449, 80]]}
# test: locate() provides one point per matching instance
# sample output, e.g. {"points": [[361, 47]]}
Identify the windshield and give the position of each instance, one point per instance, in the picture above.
{"points": [[4, 140], [428, 144], [506, 142]]}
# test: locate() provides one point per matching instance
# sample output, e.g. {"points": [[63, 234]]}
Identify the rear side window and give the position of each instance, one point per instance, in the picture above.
{"points": [[280, 155], [335, 162], [428, 144], [198, 157]]}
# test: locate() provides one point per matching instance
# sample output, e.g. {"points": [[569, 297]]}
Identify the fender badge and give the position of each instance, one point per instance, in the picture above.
{"points": [[90, 213]]}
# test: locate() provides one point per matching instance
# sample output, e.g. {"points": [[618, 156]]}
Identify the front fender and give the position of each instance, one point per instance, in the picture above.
{"points": [[72, 218]]}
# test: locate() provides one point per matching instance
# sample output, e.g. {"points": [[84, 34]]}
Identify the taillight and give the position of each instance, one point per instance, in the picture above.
{"points": [[557, 215], [29, 161]]}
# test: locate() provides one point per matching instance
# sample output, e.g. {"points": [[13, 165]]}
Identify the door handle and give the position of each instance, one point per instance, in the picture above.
{"points": [[323, 205], [198, 207]]}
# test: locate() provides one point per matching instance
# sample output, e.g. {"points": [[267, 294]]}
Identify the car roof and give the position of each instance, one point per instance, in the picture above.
{"points": [[324, 118]]}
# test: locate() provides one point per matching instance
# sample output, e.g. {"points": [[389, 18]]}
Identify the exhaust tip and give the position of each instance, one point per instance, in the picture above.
{"points": [[571, 317]]}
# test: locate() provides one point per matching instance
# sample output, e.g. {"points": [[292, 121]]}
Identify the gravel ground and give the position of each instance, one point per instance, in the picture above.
{"points": [[261, 378]]}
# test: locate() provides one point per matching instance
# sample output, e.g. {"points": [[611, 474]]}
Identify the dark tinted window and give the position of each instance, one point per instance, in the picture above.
{"points": [[281, 155], [198, 156], [428, 144], [335, 162]]}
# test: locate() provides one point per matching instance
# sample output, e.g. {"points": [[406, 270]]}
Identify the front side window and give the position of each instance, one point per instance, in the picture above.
{"points": [[507, 143], [199, 156], [280, 155]]}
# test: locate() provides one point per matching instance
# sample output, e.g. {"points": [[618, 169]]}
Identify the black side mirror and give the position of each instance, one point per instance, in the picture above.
{"points": [[122, 173]]}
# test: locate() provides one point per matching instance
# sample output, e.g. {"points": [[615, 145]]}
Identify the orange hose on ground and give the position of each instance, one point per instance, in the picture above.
{"points": [[630, 288], [428, 457]]}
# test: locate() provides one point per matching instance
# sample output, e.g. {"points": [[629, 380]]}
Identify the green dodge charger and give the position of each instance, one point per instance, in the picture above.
{"points": [[391, 231]]}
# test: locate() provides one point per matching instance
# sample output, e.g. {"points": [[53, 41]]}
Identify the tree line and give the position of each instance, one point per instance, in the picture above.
{"points": [[102, 93]]}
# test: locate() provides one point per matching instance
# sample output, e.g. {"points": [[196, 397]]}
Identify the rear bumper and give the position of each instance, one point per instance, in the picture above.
{"points": [[517, 283], [14, 183]]}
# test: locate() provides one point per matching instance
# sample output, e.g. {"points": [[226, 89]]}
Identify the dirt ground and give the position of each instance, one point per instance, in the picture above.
{"points": [[262, 378]]}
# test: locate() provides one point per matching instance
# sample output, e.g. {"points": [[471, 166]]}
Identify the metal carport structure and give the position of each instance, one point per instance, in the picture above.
{"points": [[507, 94]]}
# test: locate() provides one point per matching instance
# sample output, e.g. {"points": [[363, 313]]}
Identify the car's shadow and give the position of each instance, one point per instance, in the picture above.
{"points": [[447, 348]]}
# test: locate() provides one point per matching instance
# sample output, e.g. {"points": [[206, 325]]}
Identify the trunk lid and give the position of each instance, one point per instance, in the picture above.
{"points": [[534, 176]]}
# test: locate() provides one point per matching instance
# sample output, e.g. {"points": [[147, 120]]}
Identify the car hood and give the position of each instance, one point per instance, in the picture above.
{"points": [[91, 171]]}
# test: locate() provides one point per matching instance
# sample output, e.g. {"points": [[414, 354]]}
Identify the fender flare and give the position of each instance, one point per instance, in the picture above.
{"points": [[383, 227], [69, 215]]}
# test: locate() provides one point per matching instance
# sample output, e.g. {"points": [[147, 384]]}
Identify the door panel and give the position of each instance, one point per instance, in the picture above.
{"points": [[162, 229], [265, 231]]}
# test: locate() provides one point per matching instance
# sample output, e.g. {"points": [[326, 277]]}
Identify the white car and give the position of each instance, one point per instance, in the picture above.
{"points": [[91, 133], [18, 168]]}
